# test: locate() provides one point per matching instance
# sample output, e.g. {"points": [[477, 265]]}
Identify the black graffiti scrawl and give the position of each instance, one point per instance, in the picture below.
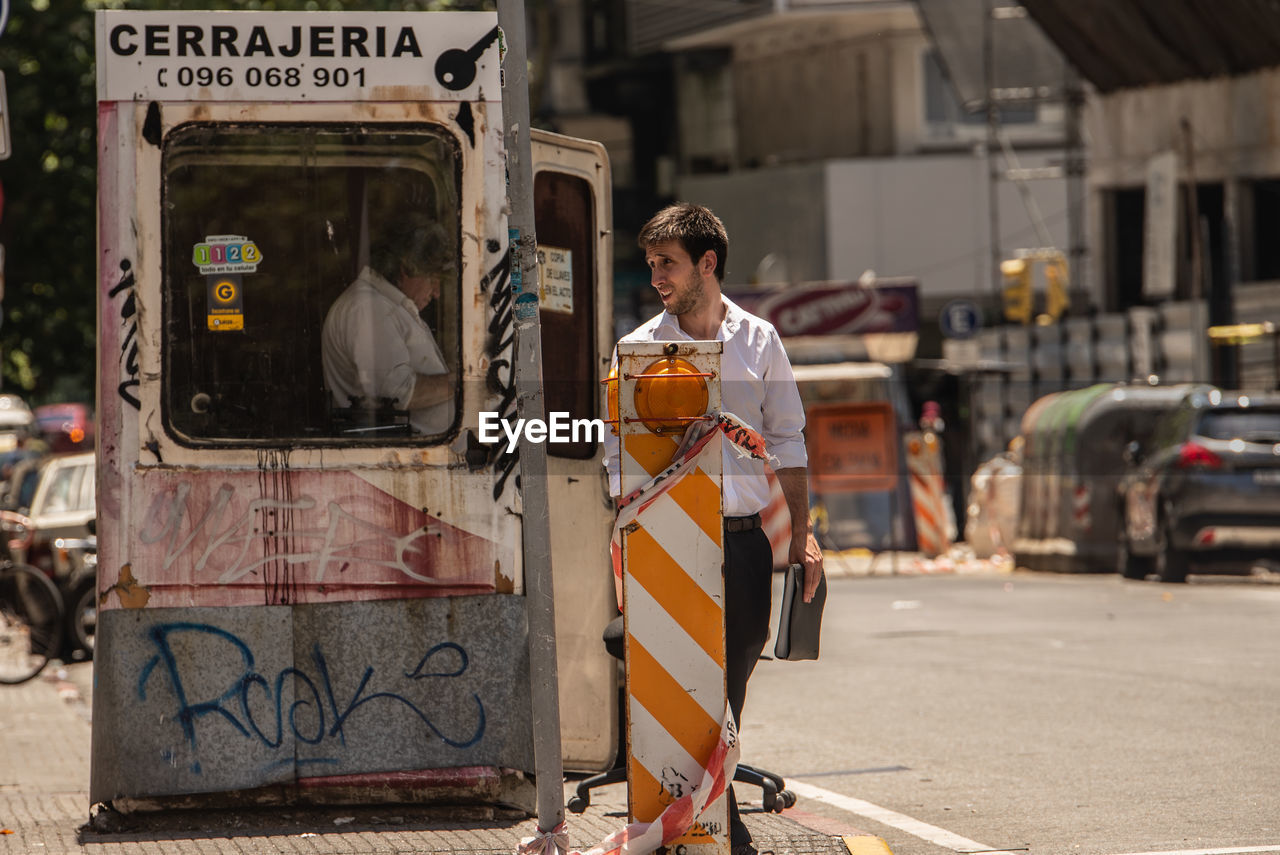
{"points": [[500, 349], [129, 347]]}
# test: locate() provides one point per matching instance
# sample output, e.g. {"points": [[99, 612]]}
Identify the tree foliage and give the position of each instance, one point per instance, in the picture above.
{"points": [[48, 337]]}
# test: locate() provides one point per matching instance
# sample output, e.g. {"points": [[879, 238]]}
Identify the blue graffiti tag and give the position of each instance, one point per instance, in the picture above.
{"points": [[311, 719]]}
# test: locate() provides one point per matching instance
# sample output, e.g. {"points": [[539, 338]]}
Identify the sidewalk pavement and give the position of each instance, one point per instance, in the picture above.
{"points": [[44, 805], [958, 559]]}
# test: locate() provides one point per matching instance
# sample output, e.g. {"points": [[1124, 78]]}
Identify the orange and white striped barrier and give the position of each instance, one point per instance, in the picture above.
{"points": [[928, 492], [673, 584], [639, 838]]}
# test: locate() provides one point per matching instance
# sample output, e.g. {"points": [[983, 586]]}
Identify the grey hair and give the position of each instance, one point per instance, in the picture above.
{"points": [[415, 242]]}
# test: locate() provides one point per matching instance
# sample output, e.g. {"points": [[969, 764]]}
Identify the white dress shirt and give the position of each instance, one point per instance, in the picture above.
{"points": [[375, 344], [757, 385]]}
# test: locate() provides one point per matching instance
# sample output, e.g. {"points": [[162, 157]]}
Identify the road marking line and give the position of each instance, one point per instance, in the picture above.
{"points": [[866, 845], [1231, 850], [893, 819], [942, 837]]}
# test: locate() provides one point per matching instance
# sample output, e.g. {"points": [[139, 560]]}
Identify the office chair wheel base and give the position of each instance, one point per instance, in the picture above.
{"points": [[578, 804], [785, 799]]}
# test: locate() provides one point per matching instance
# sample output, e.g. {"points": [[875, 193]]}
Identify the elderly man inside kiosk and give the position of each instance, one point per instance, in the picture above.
{"points": [[381, 360]]}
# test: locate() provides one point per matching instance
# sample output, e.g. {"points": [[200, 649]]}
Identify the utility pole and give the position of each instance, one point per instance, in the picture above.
{"points": [[539, 591], [993, 142]]}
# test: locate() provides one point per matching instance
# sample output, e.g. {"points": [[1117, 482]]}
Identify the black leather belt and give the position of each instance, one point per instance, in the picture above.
{"points": [[750, 523]]}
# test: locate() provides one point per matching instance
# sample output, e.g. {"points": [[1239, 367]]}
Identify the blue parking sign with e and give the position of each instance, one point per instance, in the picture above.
{"points": [[960, 319]]}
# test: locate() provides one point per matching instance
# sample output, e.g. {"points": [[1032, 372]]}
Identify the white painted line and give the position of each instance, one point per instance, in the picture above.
{"points": [[893, 819], [942, 837], [1233, 850]]}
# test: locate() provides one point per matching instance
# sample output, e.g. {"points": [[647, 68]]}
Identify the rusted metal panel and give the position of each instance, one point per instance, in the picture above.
{"points": [[237, 538], [581, 513], [202, 700]]}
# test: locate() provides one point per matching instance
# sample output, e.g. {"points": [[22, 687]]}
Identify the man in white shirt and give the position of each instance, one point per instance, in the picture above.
{"points": [[378, 352], [686, 247]]}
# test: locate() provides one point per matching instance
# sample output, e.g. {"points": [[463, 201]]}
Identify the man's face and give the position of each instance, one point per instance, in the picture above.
{"points": [[421, 288], [679, 282]]}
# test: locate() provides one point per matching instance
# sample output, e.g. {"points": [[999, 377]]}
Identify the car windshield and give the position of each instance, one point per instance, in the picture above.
{"points": [[1250, 425], [63, 490]]}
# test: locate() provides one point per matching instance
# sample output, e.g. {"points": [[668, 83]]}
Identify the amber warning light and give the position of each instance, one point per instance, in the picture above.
{"points": [[670, 394]]}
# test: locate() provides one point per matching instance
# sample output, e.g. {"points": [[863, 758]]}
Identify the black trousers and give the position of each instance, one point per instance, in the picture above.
{"points": [[748, 595]]}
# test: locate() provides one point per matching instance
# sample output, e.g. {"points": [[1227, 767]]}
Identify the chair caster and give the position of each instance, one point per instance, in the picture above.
{"points": [[769, 796], [785, 799], [578, 804]]}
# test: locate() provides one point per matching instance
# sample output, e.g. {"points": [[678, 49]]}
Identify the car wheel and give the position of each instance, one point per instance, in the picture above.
{"points": [[1129, 565], [1171, 563], [82, 617]]}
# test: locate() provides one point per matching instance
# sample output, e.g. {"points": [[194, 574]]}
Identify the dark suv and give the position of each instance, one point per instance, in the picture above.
{"points": [[1205, 493]]}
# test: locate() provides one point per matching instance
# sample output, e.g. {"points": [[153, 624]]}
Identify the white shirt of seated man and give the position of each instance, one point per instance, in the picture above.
{"points": [[376, 346]]}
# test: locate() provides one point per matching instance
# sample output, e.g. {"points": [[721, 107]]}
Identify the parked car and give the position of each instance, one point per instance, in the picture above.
{"points": [[62, 506], [1072, 468], [48, 524], [66, 427], [1204, 494], [16, 422], [21, 474]]}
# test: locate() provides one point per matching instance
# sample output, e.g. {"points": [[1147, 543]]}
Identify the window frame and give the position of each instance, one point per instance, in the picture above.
{"points": [[437, 129]]}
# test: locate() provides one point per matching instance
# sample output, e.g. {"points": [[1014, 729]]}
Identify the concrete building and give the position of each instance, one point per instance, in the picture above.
{"points": [[824, 133], [1190, 102]]}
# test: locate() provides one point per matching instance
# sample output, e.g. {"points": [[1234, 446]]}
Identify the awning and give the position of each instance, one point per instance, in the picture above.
{"points": [[1117, 45], [842, 371]]}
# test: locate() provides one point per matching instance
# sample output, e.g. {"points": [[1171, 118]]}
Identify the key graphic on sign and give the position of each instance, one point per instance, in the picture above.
{"points": [[456, 68]]}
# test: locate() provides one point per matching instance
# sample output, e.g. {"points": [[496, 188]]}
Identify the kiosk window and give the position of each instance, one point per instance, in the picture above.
{"points": [[311, 284], [564, 209]]}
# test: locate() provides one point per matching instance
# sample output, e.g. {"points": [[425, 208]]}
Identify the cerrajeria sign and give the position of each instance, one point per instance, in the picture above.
{"points": [[303, 56]]}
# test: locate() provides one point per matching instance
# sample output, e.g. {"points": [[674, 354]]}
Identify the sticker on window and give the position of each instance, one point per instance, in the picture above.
{"points": [[223, 259], [226, 254], [226, 303], [555, 278]]}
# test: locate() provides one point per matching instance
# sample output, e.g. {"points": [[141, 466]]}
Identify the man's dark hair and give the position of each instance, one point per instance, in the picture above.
{"points": [[694, 227], [414, 242]]}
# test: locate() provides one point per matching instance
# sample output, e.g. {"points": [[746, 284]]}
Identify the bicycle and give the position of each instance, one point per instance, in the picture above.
{"points": [[31, 618]]}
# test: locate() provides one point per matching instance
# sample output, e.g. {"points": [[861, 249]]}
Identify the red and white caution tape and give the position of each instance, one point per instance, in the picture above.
{"points": [[553, 842], [641, 838], [701, 438]]}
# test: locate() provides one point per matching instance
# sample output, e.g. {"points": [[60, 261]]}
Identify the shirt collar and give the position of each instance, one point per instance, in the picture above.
{"points": [[380, 284], [733, 318]]}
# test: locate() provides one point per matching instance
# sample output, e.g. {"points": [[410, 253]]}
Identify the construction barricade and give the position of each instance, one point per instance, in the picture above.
{"points": [[681, 745], [928, 492]]}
